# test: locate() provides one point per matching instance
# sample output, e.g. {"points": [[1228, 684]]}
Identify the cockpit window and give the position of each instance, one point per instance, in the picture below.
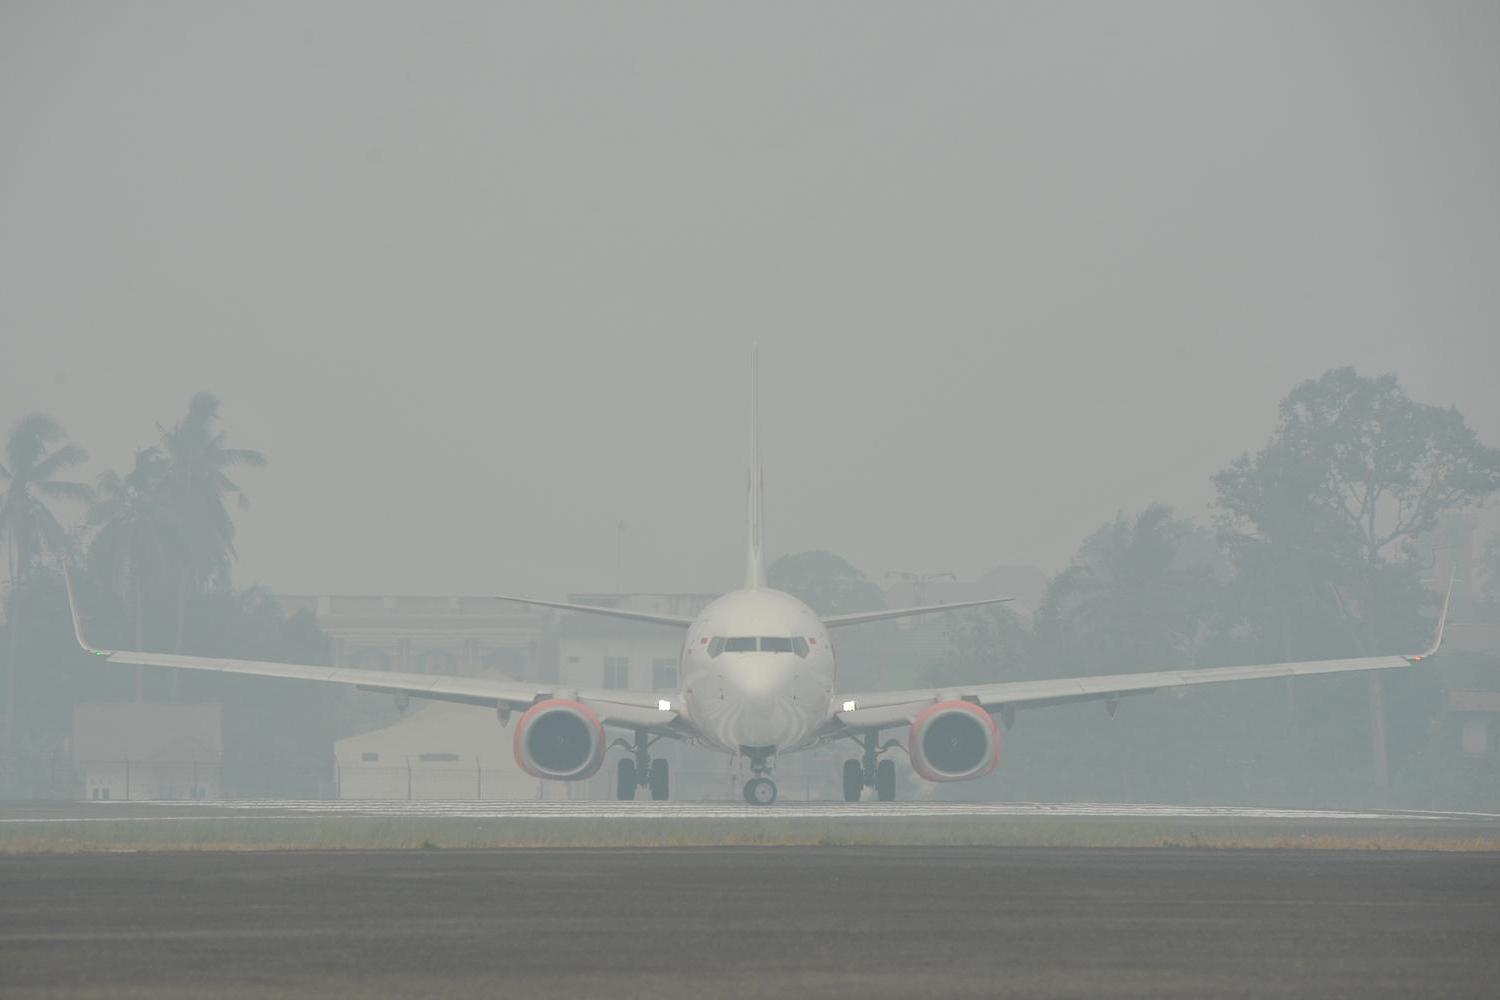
{"points": [[752, 643]]}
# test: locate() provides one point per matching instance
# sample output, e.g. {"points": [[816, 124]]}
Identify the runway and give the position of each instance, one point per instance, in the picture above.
{"points": [[835, 922], [349, 824]]}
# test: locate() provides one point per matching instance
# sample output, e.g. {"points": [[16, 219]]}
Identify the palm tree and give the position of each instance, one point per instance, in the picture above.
{"points": [[196, 486], [35, 452], [137, 534]]}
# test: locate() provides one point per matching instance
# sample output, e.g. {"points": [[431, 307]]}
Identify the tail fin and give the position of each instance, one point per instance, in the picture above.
{"points": [[755, 572]]}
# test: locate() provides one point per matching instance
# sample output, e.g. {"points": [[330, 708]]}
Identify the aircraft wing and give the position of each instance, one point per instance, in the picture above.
{"points": [[892, 708], [861, 617], [627, 709]]}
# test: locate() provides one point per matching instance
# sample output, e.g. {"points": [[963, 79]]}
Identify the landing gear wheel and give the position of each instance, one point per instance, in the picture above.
{"points": [[854, 780], [885, 780], [658, 780], [625, 788], [760, 791]]}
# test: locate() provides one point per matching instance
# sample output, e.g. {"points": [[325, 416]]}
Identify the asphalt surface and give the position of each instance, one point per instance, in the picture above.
{"points": [[752, 922]]}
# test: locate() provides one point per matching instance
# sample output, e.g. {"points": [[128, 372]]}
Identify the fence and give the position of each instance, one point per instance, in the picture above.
{"points": [[123, 778]]}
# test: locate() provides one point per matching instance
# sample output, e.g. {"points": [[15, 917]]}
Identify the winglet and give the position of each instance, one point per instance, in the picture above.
{"points": [[1437, 640], [77, 618]]}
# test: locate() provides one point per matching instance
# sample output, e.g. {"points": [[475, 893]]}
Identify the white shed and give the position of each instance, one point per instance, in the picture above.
{"points": [[439, 751]]}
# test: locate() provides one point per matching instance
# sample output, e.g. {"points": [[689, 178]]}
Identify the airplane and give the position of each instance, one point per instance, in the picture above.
{"points": [[758, 678]]}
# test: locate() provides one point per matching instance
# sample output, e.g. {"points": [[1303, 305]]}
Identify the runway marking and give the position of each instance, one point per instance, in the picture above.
{"points": [[575, 810]]}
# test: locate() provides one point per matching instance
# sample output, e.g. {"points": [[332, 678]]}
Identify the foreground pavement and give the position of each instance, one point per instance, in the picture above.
{"points": [[752, 922]]}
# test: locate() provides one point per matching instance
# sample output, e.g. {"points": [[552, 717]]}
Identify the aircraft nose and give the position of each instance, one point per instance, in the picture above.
{"points": [[759, 677], [760, 704]]}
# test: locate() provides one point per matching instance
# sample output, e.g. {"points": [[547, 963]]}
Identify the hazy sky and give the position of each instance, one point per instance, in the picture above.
{"points": [[481, 279]]}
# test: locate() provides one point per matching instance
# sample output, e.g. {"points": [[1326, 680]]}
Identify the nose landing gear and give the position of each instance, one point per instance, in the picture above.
{"points": [[760, 790], [870, 772]]}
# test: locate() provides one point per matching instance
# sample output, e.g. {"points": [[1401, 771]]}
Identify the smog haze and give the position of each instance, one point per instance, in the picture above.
{"points": [[481, 280]]}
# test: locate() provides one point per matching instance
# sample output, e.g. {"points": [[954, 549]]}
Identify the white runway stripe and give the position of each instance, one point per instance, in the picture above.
{"points": [[529, 809]]}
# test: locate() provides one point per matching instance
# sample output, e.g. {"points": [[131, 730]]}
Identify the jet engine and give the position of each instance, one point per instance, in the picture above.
{"points": [[954, 741], [559, 740]]}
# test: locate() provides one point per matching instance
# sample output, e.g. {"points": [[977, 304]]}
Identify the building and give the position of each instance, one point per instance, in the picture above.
{"points": [[438, 751], [451, 635], [598, 652]]}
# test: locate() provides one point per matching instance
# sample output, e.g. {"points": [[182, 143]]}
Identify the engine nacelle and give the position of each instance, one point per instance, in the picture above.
{"points": [[954, 741], [559, 740]]}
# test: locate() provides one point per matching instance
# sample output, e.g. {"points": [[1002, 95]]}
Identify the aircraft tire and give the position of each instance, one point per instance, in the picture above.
{"points": [[659, 780], [625, 788], [854, 780], [885, 780], [760, 791]]}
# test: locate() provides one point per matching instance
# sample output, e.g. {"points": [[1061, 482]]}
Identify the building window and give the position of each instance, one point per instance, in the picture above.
{"points": [[617, 671], [664, 675]]}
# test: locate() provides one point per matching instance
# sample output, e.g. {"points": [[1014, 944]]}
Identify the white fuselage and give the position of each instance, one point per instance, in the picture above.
{"points": [[741, 690]]}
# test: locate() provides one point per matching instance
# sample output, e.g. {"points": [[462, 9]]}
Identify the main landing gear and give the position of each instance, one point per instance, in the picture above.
{"points": [[759, 790], [868, 771], [640, 771]]}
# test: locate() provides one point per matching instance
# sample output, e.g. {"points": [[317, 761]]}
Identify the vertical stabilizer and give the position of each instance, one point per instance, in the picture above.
{"points": [[755, 572]]}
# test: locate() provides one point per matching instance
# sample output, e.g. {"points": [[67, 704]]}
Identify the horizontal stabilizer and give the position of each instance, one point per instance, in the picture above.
{"points": [[860, 617], [674, 621]]}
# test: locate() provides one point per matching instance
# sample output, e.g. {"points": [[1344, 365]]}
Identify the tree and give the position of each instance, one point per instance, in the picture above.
{"points": [[1137, 596], [1356, 469], [137, 538], [36, 452], [984, 644], [1325, 524], [827, 583], [1325, 521], [195, 486]]}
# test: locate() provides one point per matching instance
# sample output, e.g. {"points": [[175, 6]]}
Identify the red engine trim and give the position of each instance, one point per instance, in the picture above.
{"points": [[590, 766], [919, 760]]}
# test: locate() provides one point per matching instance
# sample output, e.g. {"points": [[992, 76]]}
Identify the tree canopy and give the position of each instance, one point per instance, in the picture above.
{"points": [[827, 583], [1356, 470], [36, 452]]}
